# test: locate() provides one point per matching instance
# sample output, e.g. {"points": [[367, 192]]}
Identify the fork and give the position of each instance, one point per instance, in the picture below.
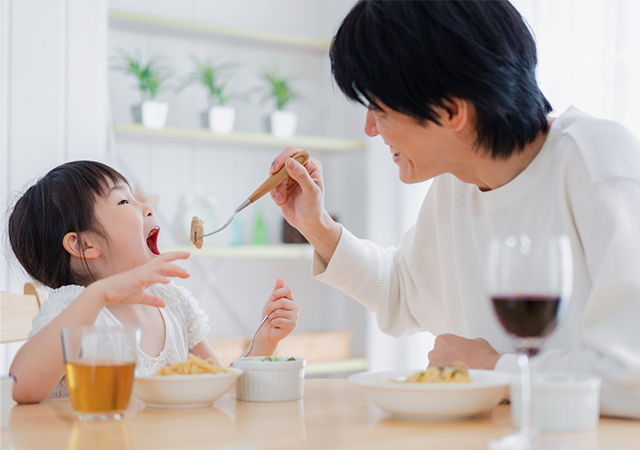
{"points": [[302, 157], [248, 350]]}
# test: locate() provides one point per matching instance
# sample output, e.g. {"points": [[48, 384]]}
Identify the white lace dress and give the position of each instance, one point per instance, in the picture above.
{"points": [[185, 324]]}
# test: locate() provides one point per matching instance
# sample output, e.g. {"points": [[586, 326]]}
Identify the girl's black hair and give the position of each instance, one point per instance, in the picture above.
{"points": [[415, 55], [61, 202]]}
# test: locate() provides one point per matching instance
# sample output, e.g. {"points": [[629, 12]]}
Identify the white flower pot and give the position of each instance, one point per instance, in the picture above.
{"points": [[221, 119], [154, 114], [283, 123]]}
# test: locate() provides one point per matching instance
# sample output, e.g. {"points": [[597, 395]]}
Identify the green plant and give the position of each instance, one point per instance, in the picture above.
{"points": [[277, 87], [152, 76], [214, 78]]}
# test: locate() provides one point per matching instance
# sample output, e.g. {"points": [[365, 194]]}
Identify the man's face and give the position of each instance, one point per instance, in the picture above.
{"points": [[421, 151]]}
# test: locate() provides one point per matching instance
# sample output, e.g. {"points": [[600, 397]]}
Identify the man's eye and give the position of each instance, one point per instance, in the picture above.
{"points": [[123, 202]]}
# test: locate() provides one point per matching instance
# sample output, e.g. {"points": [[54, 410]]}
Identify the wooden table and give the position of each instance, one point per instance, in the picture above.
{"points": [[334, 414]]}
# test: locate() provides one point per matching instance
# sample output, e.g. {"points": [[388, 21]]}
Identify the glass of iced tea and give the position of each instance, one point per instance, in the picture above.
{"points": [[99, 365]]}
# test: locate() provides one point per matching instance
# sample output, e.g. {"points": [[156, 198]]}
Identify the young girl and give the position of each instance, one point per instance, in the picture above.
{"points": [[80, 231]]}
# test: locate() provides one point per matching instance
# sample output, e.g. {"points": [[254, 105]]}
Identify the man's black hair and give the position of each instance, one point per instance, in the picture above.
{"points": [[413, 56]]}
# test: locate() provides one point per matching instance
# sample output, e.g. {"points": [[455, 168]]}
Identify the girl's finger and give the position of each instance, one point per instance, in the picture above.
{"points": [[154, 278], [284, 304], [172, 256], [283, 324], [279, 284], [283, 292], [172, 270], [152, 300], [283, 314]]}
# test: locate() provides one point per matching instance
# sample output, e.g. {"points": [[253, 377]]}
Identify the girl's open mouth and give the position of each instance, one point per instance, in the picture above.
{"points": [[152, 240]]}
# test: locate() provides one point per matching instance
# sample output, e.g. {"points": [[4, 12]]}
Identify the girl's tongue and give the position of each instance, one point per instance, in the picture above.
{"points": [[152, 241]]}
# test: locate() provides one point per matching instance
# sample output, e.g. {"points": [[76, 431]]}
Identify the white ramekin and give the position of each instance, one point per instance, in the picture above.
{"points": [[562, 401], [269, 381]]}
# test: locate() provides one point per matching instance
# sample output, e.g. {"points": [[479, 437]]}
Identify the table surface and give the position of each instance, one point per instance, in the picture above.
{"points": [[333, 414]]}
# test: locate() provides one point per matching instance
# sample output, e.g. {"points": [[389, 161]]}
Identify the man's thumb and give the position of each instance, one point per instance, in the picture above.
{"points": [[298, 172]]}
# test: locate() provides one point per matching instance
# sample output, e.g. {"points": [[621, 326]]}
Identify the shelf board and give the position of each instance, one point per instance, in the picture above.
{"points": [[283, 251], [258, 139], [333, 367], [150, 23]]}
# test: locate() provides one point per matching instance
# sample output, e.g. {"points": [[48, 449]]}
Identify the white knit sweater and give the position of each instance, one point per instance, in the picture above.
{"points": [[585, 183]]}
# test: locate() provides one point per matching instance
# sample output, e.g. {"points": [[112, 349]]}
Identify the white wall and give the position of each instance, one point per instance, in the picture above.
{"points": [[53, 97]]}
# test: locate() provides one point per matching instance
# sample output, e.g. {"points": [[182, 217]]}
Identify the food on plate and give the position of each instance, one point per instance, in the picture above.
{"points": [[192, 366], [197, 231], [459, 373]]}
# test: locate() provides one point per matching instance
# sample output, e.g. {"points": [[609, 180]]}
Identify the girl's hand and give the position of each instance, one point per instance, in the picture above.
{"points": [[283, 315], [130, 286]]}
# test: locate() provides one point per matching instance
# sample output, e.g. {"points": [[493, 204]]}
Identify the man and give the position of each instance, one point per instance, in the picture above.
{"points": [[450, 87]]}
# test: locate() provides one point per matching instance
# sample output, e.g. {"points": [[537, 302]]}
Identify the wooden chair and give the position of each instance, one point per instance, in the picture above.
{"points": [[18, 310]]}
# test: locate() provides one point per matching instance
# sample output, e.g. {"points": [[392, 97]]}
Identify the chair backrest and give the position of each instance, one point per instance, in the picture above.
{"points": [[18, 310], [37, 290]]}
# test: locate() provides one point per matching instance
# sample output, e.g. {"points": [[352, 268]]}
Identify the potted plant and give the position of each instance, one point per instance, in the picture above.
{"points": [[215, 78], [278, 88], [151, 79]]}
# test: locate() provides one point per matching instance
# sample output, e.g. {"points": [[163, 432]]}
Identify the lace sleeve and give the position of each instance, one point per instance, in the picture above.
{"points": [[196, 321], [58, 300]]}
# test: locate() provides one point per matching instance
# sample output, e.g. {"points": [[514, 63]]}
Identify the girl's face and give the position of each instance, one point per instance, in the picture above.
{"points": [[131, 230]]}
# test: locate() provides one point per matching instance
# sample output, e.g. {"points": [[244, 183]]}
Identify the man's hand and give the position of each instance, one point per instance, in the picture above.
{"points": [[477, 353], [301, 198]]}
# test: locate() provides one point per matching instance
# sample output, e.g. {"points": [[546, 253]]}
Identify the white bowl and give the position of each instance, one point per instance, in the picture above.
{"points": [[562, 401], [434, 401], [184, 391], [270, 381]]}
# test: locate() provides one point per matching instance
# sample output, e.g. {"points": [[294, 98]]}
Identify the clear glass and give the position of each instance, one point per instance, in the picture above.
{"points": [[529, 282], [99, 368]]}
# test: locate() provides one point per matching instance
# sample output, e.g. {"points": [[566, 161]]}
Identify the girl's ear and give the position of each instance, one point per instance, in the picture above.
{"points": [[71, 243]]}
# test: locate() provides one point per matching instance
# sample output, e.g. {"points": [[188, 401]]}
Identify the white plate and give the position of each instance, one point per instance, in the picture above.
{"points": [[434, 401], [184, 391]]}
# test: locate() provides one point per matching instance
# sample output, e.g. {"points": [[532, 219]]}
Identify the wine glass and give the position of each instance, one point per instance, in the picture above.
{"points": [[529, 282]]}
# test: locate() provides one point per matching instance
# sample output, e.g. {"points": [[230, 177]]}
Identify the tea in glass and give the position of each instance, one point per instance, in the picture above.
{"points": [[99, 367]]}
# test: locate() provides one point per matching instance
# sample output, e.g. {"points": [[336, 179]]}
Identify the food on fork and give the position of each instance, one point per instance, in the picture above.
{"points": [[197, 231], [456, 374], [192, 366]]}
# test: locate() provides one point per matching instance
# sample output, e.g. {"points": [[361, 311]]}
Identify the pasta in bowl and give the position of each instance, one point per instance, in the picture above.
{"points": [[440, 400], [190, 384]]}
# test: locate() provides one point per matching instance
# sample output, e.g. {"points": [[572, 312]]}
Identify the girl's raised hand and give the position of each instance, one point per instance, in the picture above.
{"points": [[282, 310], [130, 286]]}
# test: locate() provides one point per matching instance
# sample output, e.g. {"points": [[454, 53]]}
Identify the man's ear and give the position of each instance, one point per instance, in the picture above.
{"points": [[456, 115], [71, 243]]}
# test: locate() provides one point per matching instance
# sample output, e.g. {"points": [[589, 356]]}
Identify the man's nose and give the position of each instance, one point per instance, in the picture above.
{"points": [[370, 128]]}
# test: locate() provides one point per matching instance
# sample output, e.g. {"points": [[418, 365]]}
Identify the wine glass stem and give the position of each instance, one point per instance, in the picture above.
{"points": [[526, 403]]}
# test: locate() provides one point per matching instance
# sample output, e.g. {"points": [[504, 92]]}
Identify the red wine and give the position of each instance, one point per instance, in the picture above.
{"points": [[527, 315]]}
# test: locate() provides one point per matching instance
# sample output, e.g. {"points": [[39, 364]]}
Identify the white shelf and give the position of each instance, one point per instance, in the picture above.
{"points": [[283, 251], [257, 139], [150, 23]]}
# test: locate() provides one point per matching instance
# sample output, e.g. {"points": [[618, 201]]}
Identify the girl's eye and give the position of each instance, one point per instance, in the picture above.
{"points": [[123, 202]]}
